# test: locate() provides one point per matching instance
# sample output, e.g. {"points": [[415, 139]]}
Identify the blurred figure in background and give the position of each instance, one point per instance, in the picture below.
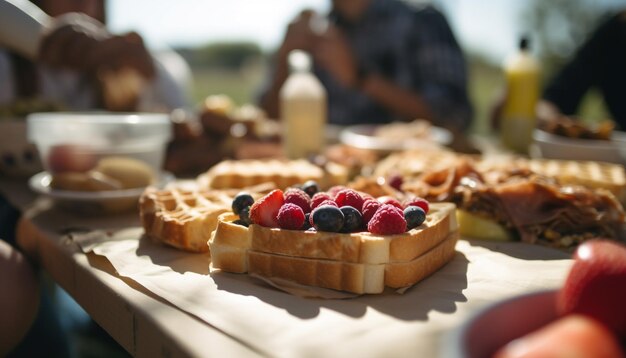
{"points": [[61, 52], [600, 62], [380, 61]]}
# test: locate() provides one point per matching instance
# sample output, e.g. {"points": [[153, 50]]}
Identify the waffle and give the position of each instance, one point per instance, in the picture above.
{"points": [[182, 218], [357, 262], [586, 173], [283, 173]]}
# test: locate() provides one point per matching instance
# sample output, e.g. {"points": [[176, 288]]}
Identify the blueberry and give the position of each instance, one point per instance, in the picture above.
{"points": [[310, 187], [328, 218], [244, 215], [307, 223], [414, 216], [241, 201], [241, 222], [352, 219]]}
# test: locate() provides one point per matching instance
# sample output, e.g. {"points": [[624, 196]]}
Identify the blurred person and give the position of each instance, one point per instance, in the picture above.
{"points": [[600, 62], [380, 61], [60, 51]]}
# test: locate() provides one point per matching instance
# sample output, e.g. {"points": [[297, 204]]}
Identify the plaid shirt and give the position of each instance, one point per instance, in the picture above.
{"points": [[414, 48]]}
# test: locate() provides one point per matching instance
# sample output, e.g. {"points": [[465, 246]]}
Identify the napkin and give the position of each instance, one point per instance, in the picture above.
{"points": [[275, 323]]}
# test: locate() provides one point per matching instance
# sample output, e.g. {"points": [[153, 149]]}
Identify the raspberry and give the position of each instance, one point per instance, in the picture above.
{"points": [[420, 202], [388, 220], [395, 181], [317, 199], [369, 209], [290, 217], [391, 201], [349, 197], [335, 189], [264, 211], [298, 197]]}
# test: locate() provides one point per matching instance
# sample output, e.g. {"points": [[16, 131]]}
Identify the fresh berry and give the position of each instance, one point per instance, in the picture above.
{"points": [[307, 222], [395, 181], [352, 219], [369, 209], [596, 284], [388, 220], [391, 201], [298, 197], [417, 201], [349, 197], [242, 200], [244, 215], [241, 223], [570, 336], [310, 187], [414, 216], [318, 198], [327, 218], [265, 210], [335, 189], [290, 217]]}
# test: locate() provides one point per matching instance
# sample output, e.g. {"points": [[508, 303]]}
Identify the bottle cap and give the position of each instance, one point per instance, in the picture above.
{"points": [[524, 43], [299, 61]]}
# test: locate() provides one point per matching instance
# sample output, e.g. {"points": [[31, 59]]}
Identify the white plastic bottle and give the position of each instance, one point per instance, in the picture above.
{"points": [[303, 109]]}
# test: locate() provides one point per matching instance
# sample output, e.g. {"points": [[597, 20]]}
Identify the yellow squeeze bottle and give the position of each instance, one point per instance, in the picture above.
{"points": [[522, 72]]}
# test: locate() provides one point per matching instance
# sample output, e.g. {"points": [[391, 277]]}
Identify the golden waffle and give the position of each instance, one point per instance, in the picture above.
{"points": [[586, 173], [283, 173], [182, 218]]}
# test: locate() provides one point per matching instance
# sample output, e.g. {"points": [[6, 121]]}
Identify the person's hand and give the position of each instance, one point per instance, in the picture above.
{"points": [[78, 42], [333, 53], [299, 34]]}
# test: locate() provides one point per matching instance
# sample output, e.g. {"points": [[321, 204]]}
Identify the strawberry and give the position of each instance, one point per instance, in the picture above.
{"points": [[264, 211], [570, 336], [596, 284]]}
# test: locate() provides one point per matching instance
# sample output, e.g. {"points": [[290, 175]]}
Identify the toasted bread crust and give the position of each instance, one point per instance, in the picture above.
{"points": [[358, 262], [353, 277]]}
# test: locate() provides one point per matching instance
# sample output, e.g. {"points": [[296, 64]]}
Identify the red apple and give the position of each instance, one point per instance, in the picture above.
{"points": [[70, 158], [596, 285], [571, 336]]}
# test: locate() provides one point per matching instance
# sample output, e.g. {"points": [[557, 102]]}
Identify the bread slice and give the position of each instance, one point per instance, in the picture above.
{"points": [[346, 276], [361, 247], [357, 262], [284, 173]]}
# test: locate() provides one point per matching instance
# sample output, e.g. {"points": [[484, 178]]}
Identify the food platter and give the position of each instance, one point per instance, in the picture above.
{"points": [[95, 201], [366, 137]]}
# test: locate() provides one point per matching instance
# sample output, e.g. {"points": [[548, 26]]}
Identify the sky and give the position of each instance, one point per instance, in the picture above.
{"points": [[490, 28]]}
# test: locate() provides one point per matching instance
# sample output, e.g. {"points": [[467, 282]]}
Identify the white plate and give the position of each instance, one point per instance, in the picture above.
{"points": [[97, 202], [363, 136]]}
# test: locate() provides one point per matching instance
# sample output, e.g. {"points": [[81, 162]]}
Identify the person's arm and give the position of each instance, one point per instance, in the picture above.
{"points": [[298, 36], [21, 26]]}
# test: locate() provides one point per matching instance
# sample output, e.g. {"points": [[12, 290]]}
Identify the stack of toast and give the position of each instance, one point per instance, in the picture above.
{"points": [[355, 262]]}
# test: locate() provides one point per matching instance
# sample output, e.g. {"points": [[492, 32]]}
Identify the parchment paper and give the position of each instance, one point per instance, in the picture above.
{"points": [[275, 323]]}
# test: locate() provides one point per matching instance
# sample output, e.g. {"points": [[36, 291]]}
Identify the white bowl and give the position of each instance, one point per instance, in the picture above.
{"points": [[95, 135], [500, 323], [551, 146]]}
